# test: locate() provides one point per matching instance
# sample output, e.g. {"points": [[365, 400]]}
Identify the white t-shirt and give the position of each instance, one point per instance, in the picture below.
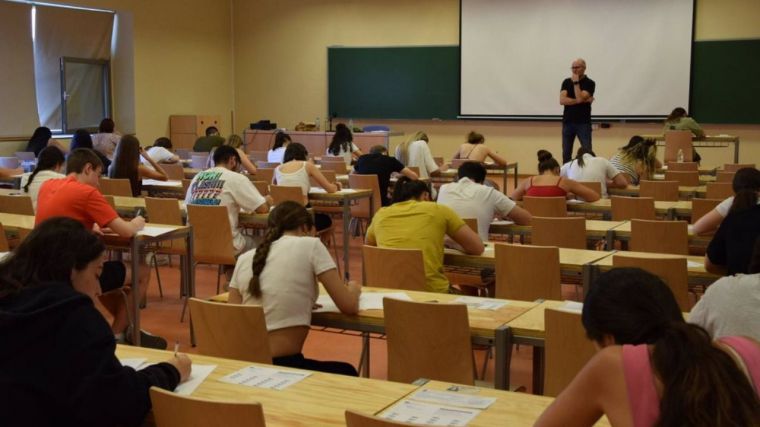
{"points": [[106, 143], [222, 187], [288, 281], [158, 154], [725, 206], [595, 169], [472, 200], [730, 307], [34, 187], [276, 155], [345, 154], [419, 155], [299, 178]]}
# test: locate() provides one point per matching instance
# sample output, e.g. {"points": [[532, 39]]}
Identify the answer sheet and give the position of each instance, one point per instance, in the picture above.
{"points": [[269, 378]]}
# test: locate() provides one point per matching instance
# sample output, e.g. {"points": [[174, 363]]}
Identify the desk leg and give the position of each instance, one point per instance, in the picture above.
{"points": [[135, 255], [346, 237], [504, 186], [365, 355], [515, 183], [736, 150], [589, 275], [190, 278], [502, 357], [538, 370], [610, 240]]}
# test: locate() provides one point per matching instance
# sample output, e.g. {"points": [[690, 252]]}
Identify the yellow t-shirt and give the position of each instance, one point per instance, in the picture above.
{"points": [[417, 225]]}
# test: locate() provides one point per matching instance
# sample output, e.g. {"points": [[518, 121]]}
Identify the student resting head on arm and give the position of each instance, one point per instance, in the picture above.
{"points": [[126, 164], [549, 183]]}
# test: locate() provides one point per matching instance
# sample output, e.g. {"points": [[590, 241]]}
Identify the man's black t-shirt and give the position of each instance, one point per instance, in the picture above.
{"points": [[382, 166], [734, 241], [579, 113]]}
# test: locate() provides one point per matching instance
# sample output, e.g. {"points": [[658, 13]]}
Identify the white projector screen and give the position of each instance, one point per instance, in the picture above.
{"points": [[515, 54]]}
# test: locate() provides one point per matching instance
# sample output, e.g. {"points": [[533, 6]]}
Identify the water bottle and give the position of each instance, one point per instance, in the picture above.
{"points": [[351, 124], [679, 156], [316, 122]]}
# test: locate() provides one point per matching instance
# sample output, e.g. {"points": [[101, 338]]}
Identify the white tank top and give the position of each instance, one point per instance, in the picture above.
{"points": [[299, 178]]}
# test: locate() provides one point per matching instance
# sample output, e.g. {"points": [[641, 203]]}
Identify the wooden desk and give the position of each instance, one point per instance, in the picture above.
{"points": [[623, 233], [684, 192], [698, 275], [320, 399], [604, 206], [595, 229], [315, 142], [703, 179], [14, 222], [450, 175], [709, 141], [153, 186]]}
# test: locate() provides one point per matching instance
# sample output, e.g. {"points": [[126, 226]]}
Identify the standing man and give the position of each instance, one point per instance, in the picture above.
{"points": [[576, 94]]}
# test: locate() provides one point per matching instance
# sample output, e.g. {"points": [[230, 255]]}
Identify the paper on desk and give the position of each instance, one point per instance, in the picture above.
{"points": [[153, 231], [502, 222], [572, 306], [269, 378], [453, 398], [408, 411], [4, 255], [157, 183], [574, 201], [690, 229], [694, 264], [481, 303], [134, 362], [197, 375], [367, 301]]}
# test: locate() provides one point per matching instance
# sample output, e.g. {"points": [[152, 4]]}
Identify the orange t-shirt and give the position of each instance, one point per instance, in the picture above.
{"points": [[73, 199]]}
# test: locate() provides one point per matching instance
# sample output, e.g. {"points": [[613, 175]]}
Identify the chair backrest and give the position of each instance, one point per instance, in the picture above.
{"points": [[10, 162], [4, 246], [232, 331], [725, 176], [21, 205], [174, 170], [198, 160], [418, 349], [339, 167], [567, 232], [212, 234], [683, 166], [182, 153], [268, 165], [719, 190], [594, 185], [407, 266], [566, 347], [258, 156], [116, 187], [472, 223], [684, 178], [329, 175], [527, 272], [174, 410], [110, 200], [262, 186], [415, 169], [283, 193], [185, 185], [626, 208], [455, 163], [667, 237], [678, 140], [672, 271], [264, 174], [25, 156], [700, 207], [659, 190], [356, 419], [361, 209], [438, 160], [546, 206], [728, 167], [165, 211]]}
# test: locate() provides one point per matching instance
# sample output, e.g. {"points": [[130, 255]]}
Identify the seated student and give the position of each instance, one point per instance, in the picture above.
{"points": [[730, 305], [39, 140], [82, 139], [49, 166], [587, 167], [222, 186], [415, 152], [476, 150], [160, 152], [281, 275], [296, 170], [679, 120], [342, 144], [730, 250], [746, 181], [281, 141], [126, 165], [549, 184], [106, 139], [414, 222], [469, 198], [236, 142], [377, 162], [211, 140], [77, 197], [654, 369], [59, 362], [637, 160]]}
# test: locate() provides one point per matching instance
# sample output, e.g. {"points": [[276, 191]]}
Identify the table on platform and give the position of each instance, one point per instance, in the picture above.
{"points": [[709, 141]]}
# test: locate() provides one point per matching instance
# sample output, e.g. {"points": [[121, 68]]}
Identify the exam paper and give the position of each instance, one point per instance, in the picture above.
{"points": [[408, 411], [502, 222], [480, 303], [153, 231], [134, 363], [269, 378], [157, 183], [453, 398], [694, 264], [367, 301], [572, 306], [574, 201], [197, 375]]}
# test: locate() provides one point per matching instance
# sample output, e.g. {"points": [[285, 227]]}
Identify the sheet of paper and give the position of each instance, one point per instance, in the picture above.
{"points": [[502, 222], [572, 306], [481, 303], [326, 305], [658, 176], [690, 229], [408, 411], [367, 301], [269, 378], [453, 398], [153, 231], [197, 375], [574, 202], [157, 183], [347, 190], [694, 264], [4, 255], [134, 363]]}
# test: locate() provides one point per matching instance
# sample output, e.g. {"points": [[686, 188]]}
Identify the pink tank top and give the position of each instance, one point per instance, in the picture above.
{"points": [[639, 380], [546, 190]]}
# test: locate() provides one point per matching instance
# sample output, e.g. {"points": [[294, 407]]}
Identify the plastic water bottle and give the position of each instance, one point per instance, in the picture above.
{"points": [[351, 124], [316, 122], [679, 156]]}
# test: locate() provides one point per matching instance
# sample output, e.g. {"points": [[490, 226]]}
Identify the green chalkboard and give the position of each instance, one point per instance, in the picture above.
{"points": [[420, 82], [726, 81]]}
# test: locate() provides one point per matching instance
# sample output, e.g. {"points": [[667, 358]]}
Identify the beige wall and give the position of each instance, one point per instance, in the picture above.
{"points": [[281, 68]]}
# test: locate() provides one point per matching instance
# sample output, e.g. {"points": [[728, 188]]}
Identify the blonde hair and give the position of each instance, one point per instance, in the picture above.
{"points": [[234, 141], [403, 148]]}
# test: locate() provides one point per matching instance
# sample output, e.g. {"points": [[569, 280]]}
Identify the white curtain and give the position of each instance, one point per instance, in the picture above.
{"points": [[18, 112], [61, 32]]}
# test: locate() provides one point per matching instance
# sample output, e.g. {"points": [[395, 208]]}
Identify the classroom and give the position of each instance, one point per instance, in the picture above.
{"points": [[471, 347]]}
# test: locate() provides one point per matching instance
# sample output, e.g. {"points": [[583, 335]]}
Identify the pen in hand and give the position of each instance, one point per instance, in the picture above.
{"points": [[176, 348]]}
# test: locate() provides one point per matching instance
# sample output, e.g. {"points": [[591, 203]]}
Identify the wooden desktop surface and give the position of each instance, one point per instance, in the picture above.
{"points": [[569, 259]]}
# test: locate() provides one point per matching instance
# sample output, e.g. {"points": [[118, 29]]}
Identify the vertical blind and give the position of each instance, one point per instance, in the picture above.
{"points": [[18, 111]]}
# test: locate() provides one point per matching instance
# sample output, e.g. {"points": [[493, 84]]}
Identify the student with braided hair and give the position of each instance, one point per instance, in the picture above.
{"points": [[49, 166], [281, 275]]}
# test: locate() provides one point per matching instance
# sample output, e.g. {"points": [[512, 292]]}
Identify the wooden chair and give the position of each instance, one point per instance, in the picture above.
{"points": [[684, 178], [626, 208], [730, 167], [356, 419], [282, 193], [268, 165], [678, 140], [165, 211], [174, 170], [21, 205], [594, 185], [672, 271], [666, 237], [232, 331], [198, 160], [546, 206], [455, 163], [339, 167], [472, 223], [174, 410], [438, 161], [719, 190], [418, 349], [567, 349], [186, 185], [683, 166], [262, 186], [330, 176], [527, 272], [659, 190], [407, 266], [561, 232], [258, 156], [415, 169], [264, 174], [110, 200], [722, 176], [700, 207], [360, 211], [212, 237], [116, 187]]}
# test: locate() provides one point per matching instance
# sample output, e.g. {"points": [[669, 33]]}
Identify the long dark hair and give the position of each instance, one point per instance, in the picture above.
{"points": [[106, 126], [676, 114], [81, 139], [280, 139], [50, 158], [546, 161], [475, 138], [579, 155], [408, 189], [126, 161], [746, 185], [341, 139], [48, 254], [39, 140], [295, 151], [702, 385], [287, 216]]}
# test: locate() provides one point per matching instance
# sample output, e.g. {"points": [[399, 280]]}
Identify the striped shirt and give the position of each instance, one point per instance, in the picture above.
{"points": [[625, 166]]}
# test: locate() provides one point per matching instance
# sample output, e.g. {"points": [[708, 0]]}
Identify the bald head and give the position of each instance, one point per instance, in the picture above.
{"points": [[579, 67]]}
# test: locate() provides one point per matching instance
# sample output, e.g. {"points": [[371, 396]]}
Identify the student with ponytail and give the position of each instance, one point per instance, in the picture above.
{"points": [[746, 185], [49, 166], [548, 183], [654, 369], [281, 275], [587, 167]]}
